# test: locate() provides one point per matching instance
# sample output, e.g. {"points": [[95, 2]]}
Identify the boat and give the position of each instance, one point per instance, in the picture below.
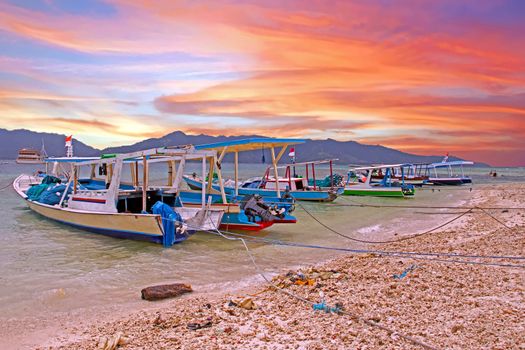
{"points": [[404, 172], [448, 177], [109, 206], [271, 184], [31, 156], [359, 182]]}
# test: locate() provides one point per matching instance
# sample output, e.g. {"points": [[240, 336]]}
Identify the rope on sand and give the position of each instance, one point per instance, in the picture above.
{"points": [[365, 205], [385, 241]]}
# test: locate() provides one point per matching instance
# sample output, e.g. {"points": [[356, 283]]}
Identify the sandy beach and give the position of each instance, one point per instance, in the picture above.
{"points": [[387, 302]]}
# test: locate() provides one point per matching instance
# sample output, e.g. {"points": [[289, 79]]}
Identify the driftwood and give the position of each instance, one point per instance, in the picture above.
{"points": [[165, 291]]}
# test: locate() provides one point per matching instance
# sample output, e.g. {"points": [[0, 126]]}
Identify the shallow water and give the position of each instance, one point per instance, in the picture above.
{"points": [[47, 267]]}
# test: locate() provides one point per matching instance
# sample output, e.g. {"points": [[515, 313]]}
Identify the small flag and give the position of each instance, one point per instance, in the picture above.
{"points": [[69, 140], [292, 152]]}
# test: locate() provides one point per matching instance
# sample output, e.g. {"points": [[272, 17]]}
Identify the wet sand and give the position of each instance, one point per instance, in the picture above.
{"points": [[441, 304]]}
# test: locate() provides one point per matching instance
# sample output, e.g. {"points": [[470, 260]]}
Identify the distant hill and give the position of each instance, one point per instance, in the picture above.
{"points": [[348, 152], [13, 140]]}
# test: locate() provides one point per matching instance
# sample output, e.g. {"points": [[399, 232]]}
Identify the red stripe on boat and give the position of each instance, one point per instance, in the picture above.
{"points": [[258, 226], [91, 200]]}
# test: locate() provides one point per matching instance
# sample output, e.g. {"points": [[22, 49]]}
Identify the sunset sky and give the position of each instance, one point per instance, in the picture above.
{"points": [[427, 77]]}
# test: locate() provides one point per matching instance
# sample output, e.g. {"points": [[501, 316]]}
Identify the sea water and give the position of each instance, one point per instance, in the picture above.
{"points": [[48, 268]]}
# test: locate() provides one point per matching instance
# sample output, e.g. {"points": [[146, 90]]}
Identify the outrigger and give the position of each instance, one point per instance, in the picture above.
{"points": [[359, 182], [111, 207], [270, 185]]}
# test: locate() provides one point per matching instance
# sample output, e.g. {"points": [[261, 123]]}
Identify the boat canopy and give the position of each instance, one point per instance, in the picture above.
{"points": [[386, 166], [249, 144], [68, 159], [447, 164]]}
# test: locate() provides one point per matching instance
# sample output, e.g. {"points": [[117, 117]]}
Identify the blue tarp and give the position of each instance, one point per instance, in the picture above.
{"points": [[53, 195], [34, 192], [169, 218]]}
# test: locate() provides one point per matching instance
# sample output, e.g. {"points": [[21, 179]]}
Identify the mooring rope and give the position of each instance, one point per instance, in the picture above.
{"points": [[365, 205], [6, 186], [385, 241]]}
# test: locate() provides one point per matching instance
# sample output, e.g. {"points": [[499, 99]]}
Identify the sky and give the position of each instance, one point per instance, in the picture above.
{"points": [[426, 77]]}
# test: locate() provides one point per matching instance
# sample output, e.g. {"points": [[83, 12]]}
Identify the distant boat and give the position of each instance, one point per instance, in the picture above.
{"points": [[31, 156], [360, 182], [450, 178]]}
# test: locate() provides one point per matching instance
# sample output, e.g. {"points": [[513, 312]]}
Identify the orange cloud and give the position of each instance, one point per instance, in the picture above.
{"points": [[415, 75]]}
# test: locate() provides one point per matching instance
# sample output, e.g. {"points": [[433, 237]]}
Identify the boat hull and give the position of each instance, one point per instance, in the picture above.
{"points": [[313, 196], [452, 181], [142, 227], [374, 192]]}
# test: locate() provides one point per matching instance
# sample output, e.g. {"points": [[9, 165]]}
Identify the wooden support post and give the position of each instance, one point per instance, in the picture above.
{"points": [[275, 172], [144, 183], [221, 183], [174, 174], [92, 175], [313, 175], [110, 172], [203, 189], [331, 175], [170, 173], [236, 172], [132, 172], [136, 183], [210, 174], [75, 179]]}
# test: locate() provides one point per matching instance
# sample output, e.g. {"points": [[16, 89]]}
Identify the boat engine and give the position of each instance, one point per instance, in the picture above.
{"points": [[254, 205]]}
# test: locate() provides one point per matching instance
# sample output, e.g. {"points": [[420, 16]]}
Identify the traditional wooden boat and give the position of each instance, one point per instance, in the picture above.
{"points": [[111, 207], [270, 184], [359, 182], [448, 177], [407, 173]]}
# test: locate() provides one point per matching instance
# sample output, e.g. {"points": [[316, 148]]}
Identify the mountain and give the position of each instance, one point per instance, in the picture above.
{"points": [[347, 152], [13, 140]]}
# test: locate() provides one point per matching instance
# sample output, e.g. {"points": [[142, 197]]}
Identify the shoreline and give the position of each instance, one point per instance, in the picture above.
{"points": [[275, 322]]}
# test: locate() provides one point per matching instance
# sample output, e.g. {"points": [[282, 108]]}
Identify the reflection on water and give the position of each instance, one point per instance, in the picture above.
{"points": [[49, 267]]}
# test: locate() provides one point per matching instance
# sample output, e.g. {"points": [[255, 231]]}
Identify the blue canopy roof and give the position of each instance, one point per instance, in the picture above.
{"points": [[250, 144]]}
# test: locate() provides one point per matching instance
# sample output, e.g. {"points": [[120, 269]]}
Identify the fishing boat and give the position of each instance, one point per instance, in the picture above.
{"points": [[407, 173], [109, 206], [451, 174], [271, 184], [359, 182]]}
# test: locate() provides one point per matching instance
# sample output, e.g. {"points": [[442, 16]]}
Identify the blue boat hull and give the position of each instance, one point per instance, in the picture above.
{"points": [[315, 196]]}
